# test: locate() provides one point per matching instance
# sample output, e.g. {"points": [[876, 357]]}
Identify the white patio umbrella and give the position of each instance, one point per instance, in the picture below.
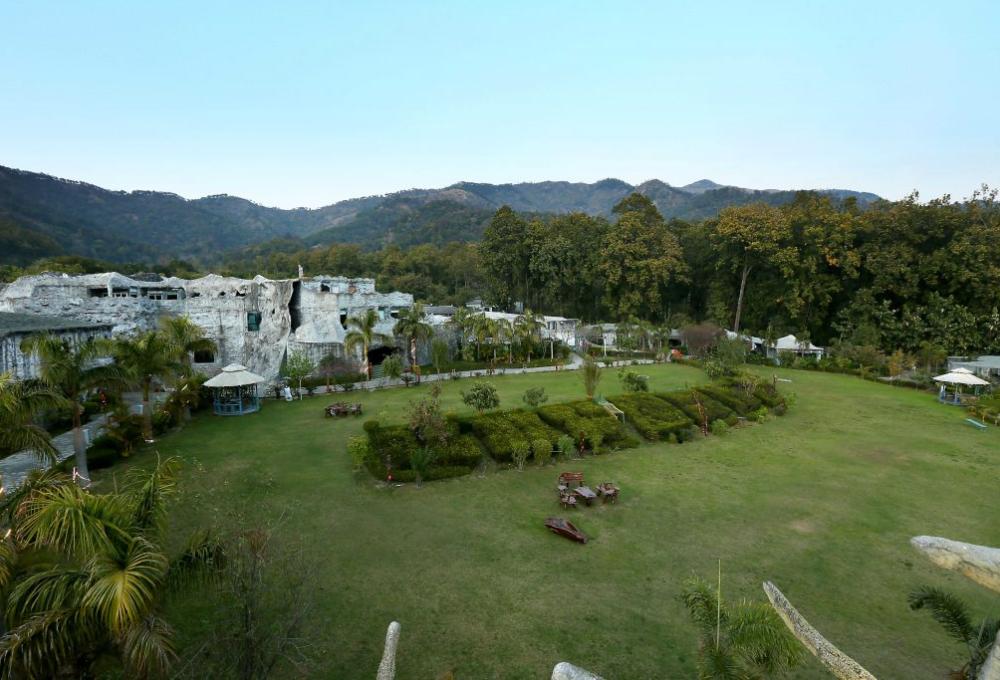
{"points": [[961, 376]]}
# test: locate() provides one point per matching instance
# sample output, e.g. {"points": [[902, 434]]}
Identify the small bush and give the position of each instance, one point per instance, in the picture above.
{"points": [[535, 396], [566, 445], [541, 449], [482, 396], [633, 382], [519, 451], [719, 427], [359, 451]]}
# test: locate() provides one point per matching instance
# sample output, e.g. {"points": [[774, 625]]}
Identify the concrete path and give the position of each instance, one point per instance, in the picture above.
{"points": [[15, 468], [575, 362]]}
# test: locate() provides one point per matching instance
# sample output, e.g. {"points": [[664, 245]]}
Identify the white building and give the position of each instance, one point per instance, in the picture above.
{"points": [[253, 322]]}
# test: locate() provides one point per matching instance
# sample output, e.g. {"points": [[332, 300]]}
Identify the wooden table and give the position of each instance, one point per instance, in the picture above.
{"points": [[586, 493]]}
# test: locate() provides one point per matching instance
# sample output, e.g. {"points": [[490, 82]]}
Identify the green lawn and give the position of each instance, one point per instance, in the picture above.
{"points": [[821, 501]]}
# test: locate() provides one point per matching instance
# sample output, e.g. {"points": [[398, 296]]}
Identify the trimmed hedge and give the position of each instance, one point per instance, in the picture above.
{"points": [[460, 457], [501, 431], [654, 418], [732, 397], [600, 430], [684, 400]]}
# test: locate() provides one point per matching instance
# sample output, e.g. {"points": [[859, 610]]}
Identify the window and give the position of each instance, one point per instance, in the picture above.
{"points": [[324, 288], [253, 321], [204, 356], [97, 292]]}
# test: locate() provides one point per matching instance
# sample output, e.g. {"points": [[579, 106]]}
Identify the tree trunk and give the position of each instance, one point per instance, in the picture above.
{"points": [[80, 448], [147, 415], [739, 300]]}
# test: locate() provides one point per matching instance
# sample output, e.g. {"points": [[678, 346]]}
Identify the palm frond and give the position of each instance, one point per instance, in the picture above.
{"points": [[757, 634], [149, 491], [148, 647], [57, 588], [717, 663], [947, 610], [122, 591], [702, 604], [204, 556], [68, 518], [43, 645]]}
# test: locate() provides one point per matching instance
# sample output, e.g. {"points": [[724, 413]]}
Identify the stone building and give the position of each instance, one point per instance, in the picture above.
{"points": [[253, 322], [15, 327]]}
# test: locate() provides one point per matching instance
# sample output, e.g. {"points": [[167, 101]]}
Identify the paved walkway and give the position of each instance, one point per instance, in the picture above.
{"points": [[575, 362], [15, 468]]}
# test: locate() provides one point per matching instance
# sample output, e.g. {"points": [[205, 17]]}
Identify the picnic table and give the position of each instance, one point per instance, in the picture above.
{"points": [[586, 493], [343, 409]]}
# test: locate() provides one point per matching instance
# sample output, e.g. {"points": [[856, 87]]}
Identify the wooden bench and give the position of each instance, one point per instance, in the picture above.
{"points": [[568, 478], [975, 423]]}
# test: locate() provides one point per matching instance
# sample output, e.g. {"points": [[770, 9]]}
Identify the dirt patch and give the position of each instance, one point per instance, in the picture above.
{"points": [[803, 526]]}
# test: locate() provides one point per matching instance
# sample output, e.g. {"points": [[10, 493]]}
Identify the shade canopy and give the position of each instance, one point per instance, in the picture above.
{"points": [[960, 376], [234, 375]]}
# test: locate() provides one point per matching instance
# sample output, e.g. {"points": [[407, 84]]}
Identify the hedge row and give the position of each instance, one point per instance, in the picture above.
{"points": [[392, 444], [654, 418], [675, 415], [584, 419], [501, 431]]}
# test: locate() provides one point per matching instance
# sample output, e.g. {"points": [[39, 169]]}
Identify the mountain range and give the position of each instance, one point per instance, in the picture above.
{"points": [[41, 215]]}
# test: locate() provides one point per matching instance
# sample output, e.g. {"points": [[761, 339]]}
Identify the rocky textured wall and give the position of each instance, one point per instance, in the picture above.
{"points": [[219, 305]]}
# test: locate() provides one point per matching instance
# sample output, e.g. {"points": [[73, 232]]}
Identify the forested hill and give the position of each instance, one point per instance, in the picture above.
{"points": [[42, 215]]}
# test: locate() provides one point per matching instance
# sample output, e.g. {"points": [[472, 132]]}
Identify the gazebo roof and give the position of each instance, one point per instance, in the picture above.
{"points": [[960, 376], [234, 375]]}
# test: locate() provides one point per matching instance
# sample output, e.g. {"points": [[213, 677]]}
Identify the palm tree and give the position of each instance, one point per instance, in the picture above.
{"points": [[186, 338], [742, 641], [461, 322], [363, 335], [19, 402], [411, 325], [528, 327], [99, 577], [505, 335], [482, 327], [73, 370], [145, 358], [954, 617]]}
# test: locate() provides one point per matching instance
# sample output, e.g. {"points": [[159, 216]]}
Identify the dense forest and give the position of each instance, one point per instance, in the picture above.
{"points": [[44, 216], [895, 274]]}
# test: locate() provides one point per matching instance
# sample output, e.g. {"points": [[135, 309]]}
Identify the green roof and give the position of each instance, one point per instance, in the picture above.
{"points": [[12, 323]]}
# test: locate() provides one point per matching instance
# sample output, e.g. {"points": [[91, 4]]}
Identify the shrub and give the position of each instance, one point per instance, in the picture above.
{"points": [[566, 445], [760, 415], [359, 451], [598, 428], [719, 427], [633, 382], [482, 396], [535, 396], [462, 450], [520, 450], [542, 451], [652, 417]]}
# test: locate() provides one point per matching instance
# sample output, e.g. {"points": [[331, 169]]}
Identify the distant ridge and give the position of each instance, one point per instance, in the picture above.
{"points": [[42, 215]]}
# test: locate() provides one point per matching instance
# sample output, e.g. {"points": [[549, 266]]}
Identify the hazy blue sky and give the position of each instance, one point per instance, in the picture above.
{"points": [[298, 103]]}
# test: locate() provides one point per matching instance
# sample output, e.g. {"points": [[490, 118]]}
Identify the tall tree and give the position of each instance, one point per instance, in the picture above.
{"points": [[528, 328], [640, 258], [362, 334], [412, 326], [748, 236], [146, 358], [506, 257], [73, 370]]}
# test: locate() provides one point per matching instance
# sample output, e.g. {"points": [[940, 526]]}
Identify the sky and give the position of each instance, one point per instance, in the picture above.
{"points": [[306, 103]]}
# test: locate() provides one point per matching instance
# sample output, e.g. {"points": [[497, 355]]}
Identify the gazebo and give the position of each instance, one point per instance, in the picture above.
{"points": [[957, 379], [235, 391]]}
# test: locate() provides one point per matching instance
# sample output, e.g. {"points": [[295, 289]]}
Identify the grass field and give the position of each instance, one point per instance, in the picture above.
{"points": [[821, 501]]}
